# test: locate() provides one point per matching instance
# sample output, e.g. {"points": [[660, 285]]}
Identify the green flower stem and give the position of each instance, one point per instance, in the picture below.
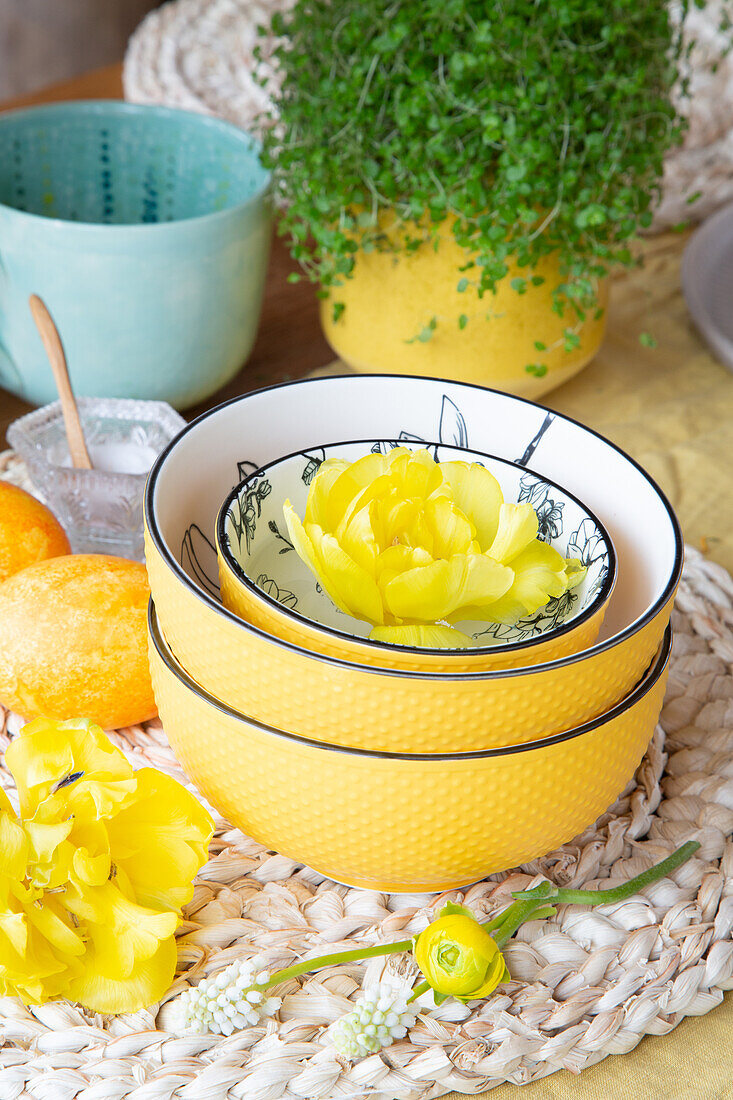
{"points": [[517, 914], [528, 905], [335, 959], [418, 991], [559, 896]]}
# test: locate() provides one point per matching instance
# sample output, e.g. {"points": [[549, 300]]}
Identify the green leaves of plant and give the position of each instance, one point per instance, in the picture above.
{"points": [[524, 129]]}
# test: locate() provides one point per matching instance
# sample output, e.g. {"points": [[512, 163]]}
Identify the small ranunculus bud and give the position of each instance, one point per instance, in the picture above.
{"points": [[458, 957]]}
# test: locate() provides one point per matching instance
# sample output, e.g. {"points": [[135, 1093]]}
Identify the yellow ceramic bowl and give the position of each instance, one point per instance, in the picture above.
{"points": [[265, 583], [396, 822], [328, 699]]}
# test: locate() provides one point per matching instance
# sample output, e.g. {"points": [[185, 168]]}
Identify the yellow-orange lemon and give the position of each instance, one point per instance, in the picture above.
{"points": [[74, 641], [29, 532]]}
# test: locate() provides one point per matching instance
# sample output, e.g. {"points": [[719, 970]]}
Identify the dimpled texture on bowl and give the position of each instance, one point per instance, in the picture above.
{"points": [[367, 708], [385, 823]]}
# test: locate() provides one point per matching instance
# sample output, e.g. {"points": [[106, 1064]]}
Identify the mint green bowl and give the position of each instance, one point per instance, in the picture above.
{"points": [[146, 231]]}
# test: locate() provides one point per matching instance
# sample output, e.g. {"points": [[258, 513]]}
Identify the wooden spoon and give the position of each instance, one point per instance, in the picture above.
{"points": [[55, 351]]}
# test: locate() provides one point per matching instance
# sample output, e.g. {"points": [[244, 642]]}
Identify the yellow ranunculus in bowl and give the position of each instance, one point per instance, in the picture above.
{"points": [[412, 545]]}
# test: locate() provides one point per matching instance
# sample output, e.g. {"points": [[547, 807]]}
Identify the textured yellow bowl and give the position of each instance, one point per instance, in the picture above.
{"points": [[402, 823], [390, 299], [243, 600], [329, 699]]}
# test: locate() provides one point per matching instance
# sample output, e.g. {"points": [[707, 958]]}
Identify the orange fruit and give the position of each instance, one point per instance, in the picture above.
{"points": [[74, 641], [29, 532]]}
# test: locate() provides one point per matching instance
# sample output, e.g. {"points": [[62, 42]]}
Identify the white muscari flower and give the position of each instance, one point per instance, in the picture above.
{"points": [[381, 1015], [226, 1002]]}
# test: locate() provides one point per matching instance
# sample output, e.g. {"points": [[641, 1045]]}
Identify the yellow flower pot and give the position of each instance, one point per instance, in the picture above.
{"points": [[392, 297]]}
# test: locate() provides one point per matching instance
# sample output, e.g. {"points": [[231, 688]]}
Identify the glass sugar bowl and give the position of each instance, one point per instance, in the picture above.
{"points": [[100, 509]]}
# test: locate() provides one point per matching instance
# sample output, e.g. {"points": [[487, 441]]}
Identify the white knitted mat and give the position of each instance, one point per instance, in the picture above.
{"points": [[198, 54], [585, 984]]}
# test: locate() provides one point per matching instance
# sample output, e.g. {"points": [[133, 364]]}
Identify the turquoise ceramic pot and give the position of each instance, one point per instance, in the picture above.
{"points": [[146, 231]]}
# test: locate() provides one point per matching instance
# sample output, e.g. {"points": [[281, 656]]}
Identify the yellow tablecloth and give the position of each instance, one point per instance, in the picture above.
{"points": [[671, 407]]}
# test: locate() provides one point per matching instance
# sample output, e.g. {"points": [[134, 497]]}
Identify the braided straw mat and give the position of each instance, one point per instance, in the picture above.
{"points": [[585, 984]]}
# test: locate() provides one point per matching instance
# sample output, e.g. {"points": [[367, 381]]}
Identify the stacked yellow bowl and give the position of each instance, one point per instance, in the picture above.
{"points": [[265, 581], [395, 767]]}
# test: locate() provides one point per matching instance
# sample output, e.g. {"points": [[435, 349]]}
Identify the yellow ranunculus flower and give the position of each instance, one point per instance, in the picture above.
{"points": [[458, 957], [95, 871], [411, 545]]}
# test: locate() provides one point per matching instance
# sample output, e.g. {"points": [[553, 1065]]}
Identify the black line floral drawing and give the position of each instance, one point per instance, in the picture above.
{"points": [[246, 509], [552, 615], [535, 442], [452, 431], [587, 543], [198, 558], [245, 468], [452, 424], [272, 589], [313, 465], [279, 535], [549, 512]]}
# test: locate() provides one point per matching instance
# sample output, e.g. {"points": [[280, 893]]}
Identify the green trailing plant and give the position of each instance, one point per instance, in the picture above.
{"points": [[522, 127]]}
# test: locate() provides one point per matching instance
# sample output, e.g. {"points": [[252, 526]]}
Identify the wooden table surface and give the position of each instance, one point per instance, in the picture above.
{"points": [[289, 342]]}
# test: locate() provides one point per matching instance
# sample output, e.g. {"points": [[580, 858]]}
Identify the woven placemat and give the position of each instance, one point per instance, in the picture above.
{"points": [[585, 984]]}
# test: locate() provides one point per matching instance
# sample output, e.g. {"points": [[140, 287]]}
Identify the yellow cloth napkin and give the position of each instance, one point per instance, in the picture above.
{"points": [[694, 1062], [671, 407]]}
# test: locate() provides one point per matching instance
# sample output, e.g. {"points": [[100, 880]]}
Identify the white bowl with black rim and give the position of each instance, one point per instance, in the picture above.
{"points": [[263, 580]]}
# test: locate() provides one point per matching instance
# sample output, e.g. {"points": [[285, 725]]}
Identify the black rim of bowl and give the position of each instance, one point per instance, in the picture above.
{"points": [[645, 684], [498, 650], [560, 662]]}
